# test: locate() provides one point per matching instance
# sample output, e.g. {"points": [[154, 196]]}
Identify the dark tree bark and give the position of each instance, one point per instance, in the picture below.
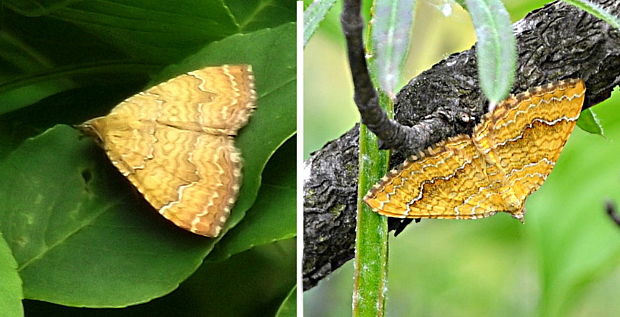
{"points": [[555, 42]]}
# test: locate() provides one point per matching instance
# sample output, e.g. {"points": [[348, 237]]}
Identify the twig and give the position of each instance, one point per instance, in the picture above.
{"points": [[391, 134], [612, 211]]}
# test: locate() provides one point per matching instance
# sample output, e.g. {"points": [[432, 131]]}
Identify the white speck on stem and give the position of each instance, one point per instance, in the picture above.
{"points": [[366, 158]]}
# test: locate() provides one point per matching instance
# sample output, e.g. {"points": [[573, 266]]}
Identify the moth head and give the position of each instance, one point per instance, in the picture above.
{"points": [[92, 128]]}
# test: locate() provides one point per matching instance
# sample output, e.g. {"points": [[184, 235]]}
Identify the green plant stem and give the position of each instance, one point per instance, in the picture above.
{"points": [[371, 243], [596, 10]]}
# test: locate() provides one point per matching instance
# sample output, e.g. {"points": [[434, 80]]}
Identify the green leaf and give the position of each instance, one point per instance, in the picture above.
{"points": [[391, 32], [597, 11], [20, 94], [35, 8], [83, 236], [589, 122], [78, 43], [29, 89], [254, 15], [151, 30], [11, 286], [273, 216], [79, 235], [289, 306], [252, 283], [496, 48], [313, 15]]}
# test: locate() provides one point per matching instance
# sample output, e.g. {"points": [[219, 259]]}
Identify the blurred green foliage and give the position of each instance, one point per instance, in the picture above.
{"points": [[562, 262]]}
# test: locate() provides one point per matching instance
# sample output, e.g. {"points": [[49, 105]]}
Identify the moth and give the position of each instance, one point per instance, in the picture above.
{"points": [[508, 157], [175, 144]]}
